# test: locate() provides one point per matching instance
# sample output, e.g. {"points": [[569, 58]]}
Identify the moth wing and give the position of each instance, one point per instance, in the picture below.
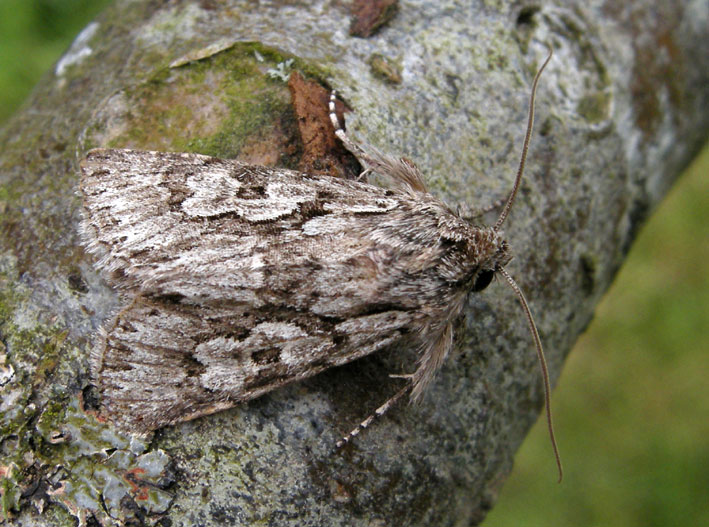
{"points": [[163, 363], [202, 227]]}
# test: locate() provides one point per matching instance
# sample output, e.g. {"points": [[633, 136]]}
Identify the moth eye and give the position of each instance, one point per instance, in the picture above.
{"points": [[483, 279]]}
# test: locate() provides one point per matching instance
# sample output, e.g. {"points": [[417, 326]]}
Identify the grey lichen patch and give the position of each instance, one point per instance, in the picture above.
{"points": [[112, 476], [221, 104], [52, 450], [497, 58], [73, 460]]}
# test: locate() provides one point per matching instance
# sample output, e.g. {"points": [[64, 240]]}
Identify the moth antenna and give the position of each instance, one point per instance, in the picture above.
{"points": [[525, 146], [376, 415], [542, 364]]}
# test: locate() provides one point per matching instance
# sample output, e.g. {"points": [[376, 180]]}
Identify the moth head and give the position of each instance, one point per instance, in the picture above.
{"points": [[491, 254]]}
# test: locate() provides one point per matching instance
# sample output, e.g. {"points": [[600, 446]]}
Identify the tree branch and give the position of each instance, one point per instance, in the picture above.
{"points": [[621, 110]]}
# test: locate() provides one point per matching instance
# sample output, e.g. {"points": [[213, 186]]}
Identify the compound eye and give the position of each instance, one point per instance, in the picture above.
{"points": [[483, 279]]}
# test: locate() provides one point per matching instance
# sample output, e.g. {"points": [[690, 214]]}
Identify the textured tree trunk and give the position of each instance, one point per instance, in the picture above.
{"points": [[622, 109]]}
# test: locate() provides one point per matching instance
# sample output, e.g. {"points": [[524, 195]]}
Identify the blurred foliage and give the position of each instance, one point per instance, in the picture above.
{"points": [[631, 408], [632, 405], [33, 34]]}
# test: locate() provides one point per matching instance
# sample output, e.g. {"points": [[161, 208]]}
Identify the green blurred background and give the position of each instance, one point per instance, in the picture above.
{"points": [[631, 409]]}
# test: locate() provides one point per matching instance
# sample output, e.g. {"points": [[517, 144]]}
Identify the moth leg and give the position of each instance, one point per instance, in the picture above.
{"points": [[433, 354], [469, 213], [377, 414], [432, 357], [401, 376], [403, 171], [356, 150], [364, 175]]}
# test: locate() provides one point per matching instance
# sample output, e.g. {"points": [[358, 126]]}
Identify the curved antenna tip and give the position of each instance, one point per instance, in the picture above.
{"points": [[542, 364], [525, 145]]}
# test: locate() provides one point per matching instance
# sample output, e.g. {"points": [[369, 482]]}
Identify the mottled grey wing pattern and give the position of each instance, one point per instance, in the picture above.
{"points": [[162, 363], [159, 220], [246, 278]]}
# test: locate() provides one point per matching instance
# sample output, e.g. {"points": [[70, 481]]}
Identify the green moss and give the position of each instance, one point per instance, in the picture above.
{"points": [[385, 69], [214, 105], [594, 107], [10, 493]]}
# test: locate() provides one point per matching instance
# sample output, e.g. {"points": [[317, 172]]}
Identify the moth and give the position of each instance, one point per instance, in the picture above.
{"points": [[244, 278]]}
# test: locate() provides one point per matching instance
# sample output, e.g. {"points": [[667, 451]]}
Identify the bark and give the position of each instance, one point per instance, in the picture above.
{"points": [[621, 111]]}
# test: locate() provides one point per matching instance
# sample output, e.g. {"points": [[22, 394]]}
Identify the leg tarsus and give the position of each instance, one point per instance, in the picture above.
{"points": [[377, 414], [407, 376]]}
